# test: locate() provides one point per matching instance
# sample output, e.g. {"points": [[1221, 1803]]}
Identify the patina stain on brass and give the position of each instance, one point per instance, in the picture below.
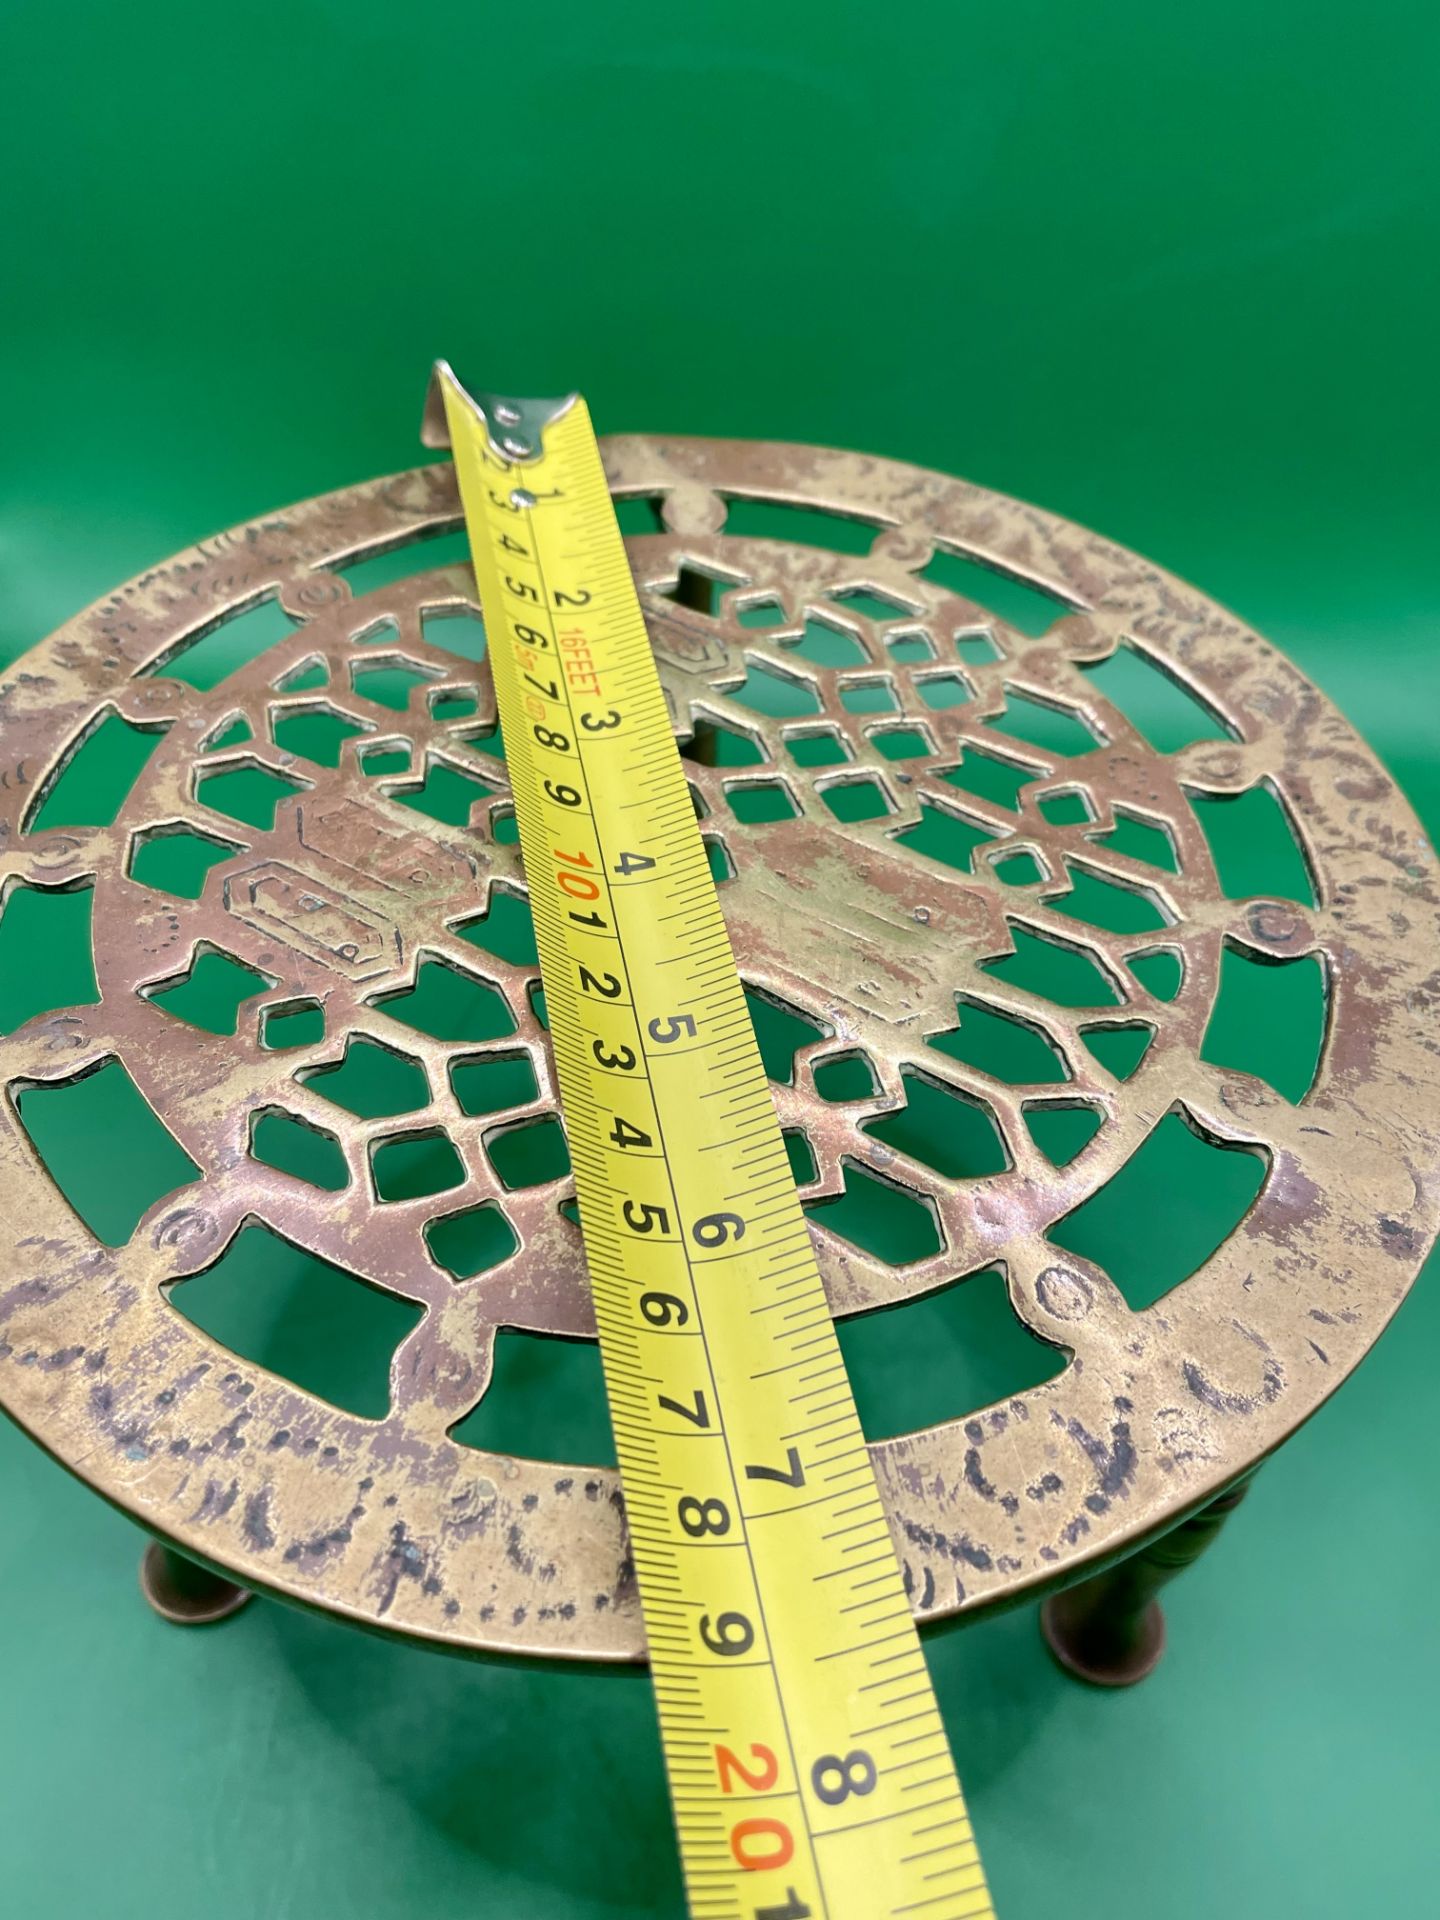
{"points": [[351, 891]]}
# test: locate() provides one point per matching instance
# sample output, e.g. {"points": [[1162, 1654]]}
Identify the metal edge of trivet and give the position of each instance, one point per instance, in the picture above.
{"points": [[389, 1522]]}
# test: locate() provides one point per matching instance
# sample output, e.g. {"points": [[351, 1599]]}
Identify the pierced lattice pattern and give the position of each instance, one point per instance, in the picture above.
{"points": [[957, 873]]}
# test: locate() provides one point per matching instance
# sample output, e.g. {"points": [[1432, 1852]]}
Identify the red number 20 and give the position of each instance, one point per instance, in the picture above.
{"points": [[756, 1845]]}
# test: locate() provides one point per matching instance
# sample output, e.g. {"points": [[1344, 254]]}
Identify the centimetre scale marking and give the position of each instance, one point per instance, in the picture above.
{"points": [[809, 1770]]}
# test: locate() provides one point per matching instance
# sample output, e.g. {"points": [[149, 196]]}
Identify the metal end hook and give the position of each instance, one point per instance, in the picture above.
{"points": [[514, 428], [434, 427]]}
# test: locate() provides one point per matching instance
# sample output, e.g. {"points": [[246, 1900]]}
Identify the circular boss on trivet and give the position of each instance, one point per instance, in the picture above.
{"points": [[1011, 897]]}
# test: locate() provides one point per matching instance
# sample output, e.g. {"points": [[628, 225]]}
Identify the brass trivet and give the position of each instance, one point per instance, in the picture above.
{"points": [[392, 1523]]}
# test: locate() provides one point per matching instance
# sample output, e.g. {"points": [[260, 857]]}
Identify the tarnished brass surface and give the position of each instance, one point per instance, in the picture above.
{"points": [[392, 1523]]}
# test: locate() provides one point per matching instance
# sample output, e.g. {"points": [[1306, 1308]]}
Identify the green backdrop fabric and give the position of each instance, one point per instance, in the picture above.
{"points": [[1171, 273]]}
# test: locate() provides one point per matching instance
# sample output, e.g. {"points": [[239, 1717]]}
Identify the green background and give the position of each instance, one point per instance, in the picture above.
{"points": [[1173, 273]]}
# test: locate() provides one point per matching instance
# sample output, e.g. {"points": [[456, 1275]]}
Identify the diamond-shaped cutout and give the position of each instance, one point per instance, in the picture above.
{"points": [[780, 1032], [1161, 971], [457, 630], [1054, 729], [989, 777], [494, 1082], [910, 646], [818, 749], [844, 1077], [852, 799], [315, 732], [758, 613], [764, 690], [1119, 1046], [1061, 1129], [454, 703], [211, 991], [946, 837], [760, 802], [291, 1145], [305, 678], [997, 1044], [979, 649], [293, 1023], [942, 690], [247, 792], [824, 644], [371, 1081], [384, 757], [489, 740], [802, 1161], [389, 681], [232, 732], [507, 929], [471, 1242], [1139, 839], [717, 858], [1022, 868], [880, 1218], [1112, 905], [376, 633], [869, 696], [412, 1166], [175, 860], [531, 1154], [871, 604], [1052, 970], [952, 1132], [1067, 808], [713, 745], [445, 794], [901, 743], [449, 1004]]}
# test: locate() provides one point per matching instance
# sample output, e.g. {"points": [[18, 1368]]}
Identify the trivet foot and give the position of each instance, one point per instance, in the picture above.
{"points": [[1098, 1645], [185, 1594], [1110, 1630]]}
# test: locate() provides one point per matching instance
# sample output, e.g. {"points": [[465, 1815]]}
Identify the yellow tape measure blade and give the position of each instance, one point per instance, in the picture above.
{"points": [[807, 1758]]}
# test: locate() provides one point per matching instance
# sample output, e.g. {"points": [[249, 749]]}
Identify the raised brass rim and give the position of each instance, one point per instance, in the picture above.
{"points": [[393, 1525]]}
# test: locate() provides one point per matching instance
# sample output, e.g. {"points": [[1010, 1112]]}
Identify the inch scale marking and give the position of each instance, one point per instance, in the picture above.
{"points": [[808, 1763]]}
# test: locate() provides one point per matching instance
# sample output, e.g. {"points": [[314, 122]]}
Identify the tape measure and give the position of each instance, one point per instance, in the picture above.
{"points": [[808, 1763]]}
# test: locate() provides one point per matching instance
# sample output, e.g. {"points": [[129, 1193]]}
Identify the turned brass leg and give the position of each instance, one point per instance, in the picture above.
{"points": [[186, 1594], [1110, 1629]]}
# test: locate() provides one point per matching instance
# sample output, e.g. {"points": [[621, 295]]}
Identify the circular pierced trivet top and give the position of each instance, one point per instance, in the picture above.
{"points": [[980, 897]]}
